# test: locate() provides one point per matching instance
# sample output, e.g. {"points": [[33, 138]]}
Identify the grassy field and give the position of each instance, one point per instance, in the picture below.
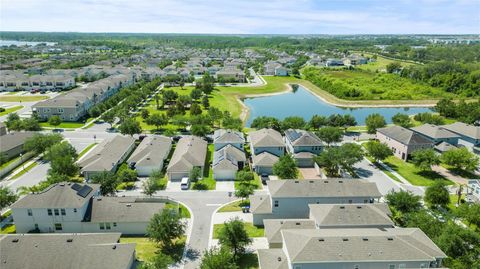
{"points": [[257, 182], [252, 230], [234, 206], [380, 64], [19, 98], [10, 110], [413, 174]]}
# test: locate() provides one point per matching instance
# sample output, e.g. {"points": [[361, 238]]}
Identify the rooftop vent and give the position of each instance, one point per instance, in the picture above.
{"points": [[279, 259], [325, 181], [390, 238], [99, 198], [129, 205], [342, 207], [15, 240], [296, 181], [297, 223], [321, 240], [359, 207], [69, 240], [344, 239], [114, 247], [311, 181], [365, 239], [340, 181]]}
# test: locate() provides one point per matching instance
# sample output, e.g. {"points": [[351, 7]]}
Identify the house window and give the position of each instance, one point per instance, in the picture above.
{"points": [[107, 226], [74, 210], [391, 266], [36, 226], [62, 211], [276, 203], [58, 227], [114, 224], [402, 265], [49, 212], [60, 110], [102, 226], [57, 213], [29, 212], [350, 201], [356, 266]]}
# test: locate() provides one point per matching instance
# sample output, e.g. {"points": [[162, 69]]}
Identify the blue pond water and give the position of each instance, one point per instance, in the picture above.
{"points": [[305, 104]]}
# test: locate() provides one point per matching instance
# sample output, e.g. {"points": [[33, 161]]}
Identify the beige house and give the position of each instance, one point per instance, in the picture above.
{"points": [[191, 151], [403, 141], [150, 154]]}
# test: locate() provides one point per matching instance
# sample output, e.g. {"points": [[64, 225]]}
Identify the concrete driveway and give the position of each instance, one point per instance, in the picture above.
{"points": [[309, 173], [225, 186]]}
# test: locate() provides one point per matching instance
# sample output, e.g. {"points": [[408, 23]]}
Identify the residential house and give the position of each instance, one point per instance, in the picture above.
{"points": [[469, 135], [287, 199], [106, 156], [79, 208], [227, 161], [328, 216], [190, 152], [473, 191], [270, 67], [403, 141], [223, 137], [13, 81], [75, 104], [79, 251], [274, 227], [281, 71], [303, 145], [230, 75], [150, 154], [437, 134], [353, 248], [11, 144], [333, 62], [266, 146]]}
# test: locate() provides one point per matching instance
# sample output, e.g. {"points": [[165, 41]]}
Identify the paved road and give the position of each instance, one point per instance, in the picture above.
{"points": [[31, 178], [202, 205]]}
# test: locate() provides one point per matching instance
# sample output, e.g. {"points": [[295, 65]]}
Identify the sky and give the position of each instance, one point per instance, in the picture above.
{"points": [[243, 16]]}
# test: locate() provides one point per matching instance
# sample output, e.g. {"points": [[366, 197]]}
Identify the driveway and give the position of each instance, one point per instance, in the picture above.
{"points": [[225, 186], [367, 170], [309, 173]]}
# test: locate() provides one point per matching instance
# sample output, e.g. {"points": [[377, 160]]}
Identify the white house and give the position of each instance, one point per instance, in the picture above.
{"points": [[190, 152], [150, 154]]}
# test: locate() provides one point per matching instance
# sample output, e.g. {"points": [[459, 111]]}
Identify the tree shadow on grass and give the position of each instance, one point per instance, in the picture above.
{"points": [[432, 175], [248, 261], [363, 172], [175, 251]]}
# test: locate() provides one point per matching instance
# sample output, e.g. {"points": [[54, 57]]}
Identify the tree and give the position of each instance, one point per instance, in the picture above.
{"points": [[437, 194], [317, 121], [195, 174], [165, 227], [218, 258], [266, 122], [157, 120], [338, 159], [293, 122], [195, 109], [215, 115], [13, 122], [460, 243], [108, 117], [145, 113], [200, 130], [108, 182], [196, 94], [244, 190], [125, 174], [54, 121], [234, 236], [374, 121], [394, 67], [330, 134], [460, 158], [205, 101], [31, 124], [348, 121], [39, 143], [151, 185], [378, 151], [7, 197], [425, 158], [402, 120], [403, 201], [286, 167], [62, 157], [470, 212], [159, 261], [130, 126]]}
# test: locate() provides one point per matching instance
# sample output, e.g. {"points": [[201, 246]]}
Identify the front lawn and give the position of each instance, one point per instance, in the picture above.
{"points": [[146, 249], [184, 212], [66, 124], [8, 229], [85, 150], [388, 173], [252, 231], [207, 183], [234, 206], [10, 110], [19, 98], [256, 182], [413, 174]]}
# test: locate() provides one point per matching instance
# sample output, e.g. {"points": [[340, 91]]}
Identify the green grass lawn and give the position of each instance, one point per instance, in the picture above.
{"points": [[388, 173], [66, 124], [10, 110], [252, 231], [9, 162], [248, 261], [234, 206], [413, 174], [19, 98], [145, 248], [8, 229], [23, 171], [380, 64], [184, 212], [207, 180], [257, 182], [85, 150]]}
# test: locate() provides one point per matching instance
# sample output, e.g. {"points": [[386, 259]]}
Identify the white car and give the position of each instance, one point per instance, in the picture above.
{"points": [[185, 183]]}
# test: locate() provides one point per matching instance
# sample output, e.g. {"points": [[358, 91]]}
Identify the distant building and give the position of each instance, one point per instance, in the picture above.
{"points": [[15, 81], [403, 141]]}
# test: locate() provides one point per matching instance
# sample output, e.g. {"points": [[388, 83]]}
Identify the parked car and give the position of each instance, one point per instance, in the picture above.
{"points": [[264, 178], [185, 183]]}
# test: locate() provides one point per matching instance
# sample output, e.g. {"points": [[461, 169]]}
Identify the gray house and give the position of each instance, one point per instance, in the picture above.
{"points": [[150, 154], [274, 228], [106, 156], [437, 134], [223, 137], [289, 199], [303, 145], [469, 134], [191, 151], [11, 144], [353, 248], [227, 161], [266, 145], [403, 141]]}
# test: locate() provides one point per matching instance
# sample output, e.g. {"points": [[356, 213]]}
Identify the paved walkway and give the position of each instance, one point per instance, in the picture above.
{"points": [[219, 218], [258, 243], [309, 173], [451, 176]]}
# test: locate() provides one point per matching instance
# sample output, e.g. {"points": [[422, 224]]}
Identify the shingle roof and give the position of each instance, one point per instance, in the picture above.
{"points": [[302, 138], [228, 136], [323, 188], [404, 136], [85, 251], [433, 131], [151, 151], [228, 158], [260, 204], [272, 259], [265, 159], [351, 215], [124, 209], [273, 227], [266, 138], [106, 154], [190, 151], [60, 195], [341, 245], [444, 146], [13, 140], [464, 129]]}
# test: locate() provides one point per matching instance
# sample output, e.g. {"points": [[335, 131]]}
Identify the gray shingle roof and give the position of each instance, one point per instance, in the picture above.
{"points": [[351, 215], [228, 158], [190, 151], [228, 136], [323, 188], [265, 159], [404, 136], [13, 140], [107, 154], [151, 151], [85, 251], [433, 131], [273, 227], [444, 146], [266, 138], [260, 204], [302, 138], [124, 209], [341, 245], [464, 129], [60, 195], [272, 259]]}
